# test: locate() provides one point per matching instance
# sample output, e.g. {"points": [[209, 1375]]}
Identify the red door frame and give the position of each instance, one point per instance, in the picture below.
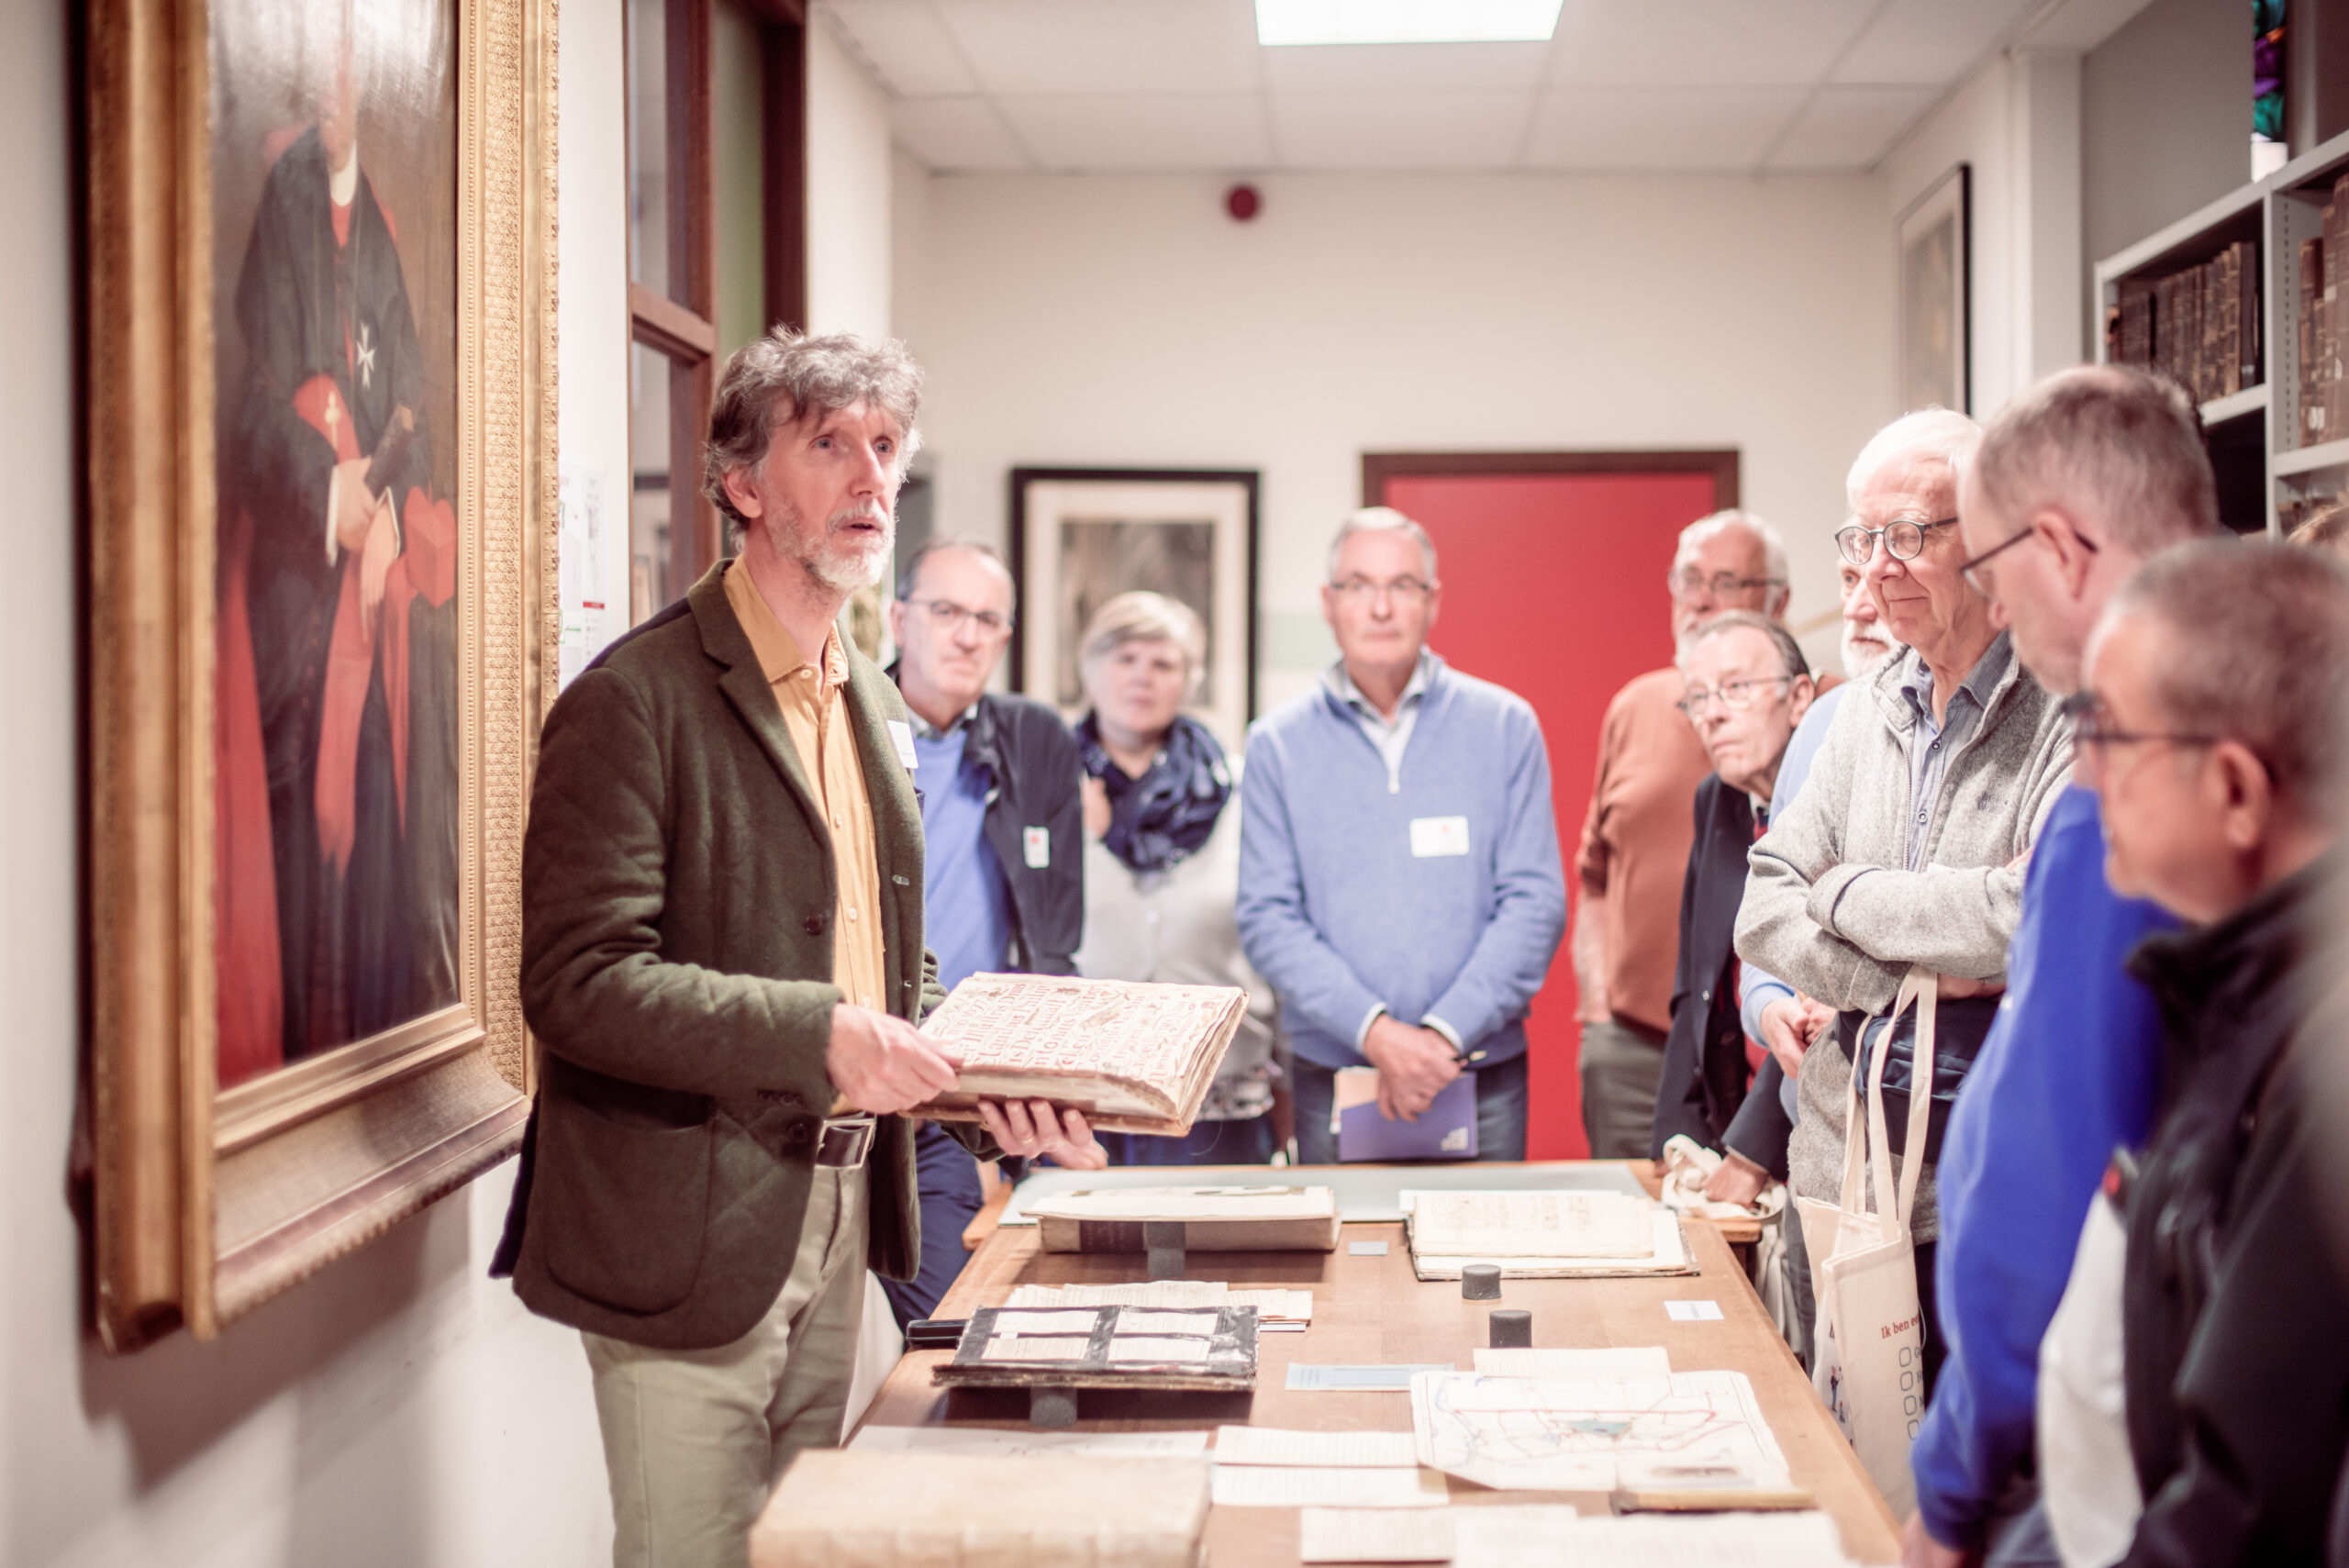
{"points": [[1556, 1036]]}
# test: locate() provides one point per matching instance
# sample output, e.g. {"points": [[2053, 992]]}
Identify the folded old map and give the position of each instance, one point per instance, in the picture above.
{"points": [[1134, 1056]]}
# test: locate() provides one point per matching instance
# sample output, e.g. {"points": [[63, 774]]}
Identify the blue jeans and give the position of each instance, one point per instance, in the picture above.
{"points": [[1248, 1141], [948, 1180], [1501, 1111]]}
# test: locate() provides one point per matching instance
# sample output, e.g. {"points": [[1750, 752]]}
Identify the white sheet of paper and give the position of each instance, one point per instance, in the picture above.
{"points": [[1670, 1255], [1645, 1540], [1139, 1347], [1071, 1348], [1366, 1249], [1509, 1535], [1009, 1323], [1271, 1445], [1375, 1535], [1531, 1225], [987, 1439], [1142, 1320], [1639, 1360], [1173, 1294], [1568, 1434], [1693, 1311], [1296, 1486]]}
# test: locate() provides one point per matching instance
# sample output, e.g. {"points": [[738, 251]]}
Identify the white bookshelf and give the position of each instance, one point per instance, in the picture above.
{"points": [[2255, 433]]}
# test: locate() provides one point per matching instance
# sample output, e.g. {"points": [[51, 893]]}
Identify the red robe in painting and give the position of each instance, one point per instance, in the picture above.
{"points": [[336, 748]]}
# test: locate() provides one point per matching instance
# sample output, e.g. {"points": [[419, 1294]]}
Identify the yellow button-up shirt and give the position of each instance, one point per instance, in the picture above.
{"points": [[814, 712]]}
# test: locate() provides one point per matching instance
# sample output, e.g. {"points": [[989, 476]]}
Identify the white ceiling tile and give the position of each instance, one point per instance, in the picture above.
{"points": [[1659, 127], [1704, 43], [908, 44], [1108, 45], [1427, 67], [956, 135], [1931, 40], [1851, 127], [1142, 131], [1399, 130]]}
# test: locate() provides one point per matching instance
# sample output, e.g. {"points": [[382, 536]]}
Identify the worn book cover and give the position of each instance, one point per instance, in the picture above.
{"points": [[846, 1508], [1134, 1056]]}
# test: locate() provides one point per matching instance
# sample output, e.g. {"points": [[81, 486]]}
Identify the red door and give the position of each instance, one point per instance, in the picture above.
{"points": [[1553, 587]]}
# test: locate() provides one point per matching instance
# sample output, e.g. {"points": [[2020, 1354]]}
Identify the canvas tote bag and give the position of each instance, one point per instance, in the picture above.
{"points": [[1869, 1363]]}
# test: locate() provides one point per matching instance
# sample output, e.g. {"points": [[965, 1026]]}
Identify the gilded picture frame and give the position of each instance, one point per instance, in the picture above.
{"points": [[204, 1201]]}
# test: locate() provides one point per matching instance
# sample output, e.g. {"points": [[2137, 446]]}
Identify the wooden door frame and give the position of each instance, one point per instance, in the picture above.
{"points": [[1377, 468]]}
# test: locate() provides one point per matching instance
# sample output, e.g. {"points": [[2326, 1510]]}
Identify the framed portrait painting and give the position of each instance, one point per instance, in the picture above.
{"points": [[320, 428], [1936, 298], [1082, 536]]}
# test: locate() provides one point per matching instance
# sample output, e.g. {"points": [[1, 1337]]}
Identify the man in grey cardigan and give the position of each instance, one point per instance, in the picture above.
{"points": [[1907, 846]]}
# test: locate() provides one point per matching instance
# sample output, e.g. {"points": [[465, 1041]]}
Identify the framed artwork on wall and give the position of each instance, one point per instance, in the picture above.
{"points": [[321, 441], [1936, 295], [1082, 536]]}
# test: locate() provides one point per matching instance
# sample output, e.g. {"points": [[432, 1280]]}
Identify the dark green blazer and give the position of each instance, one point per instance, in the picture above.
{"points": [[677, 905]]}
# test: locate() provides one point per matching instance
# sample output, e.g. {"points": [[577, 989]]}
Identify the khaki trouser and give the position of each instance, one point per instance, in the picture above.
{"points": [[1623, 1063], [695, 1440]]}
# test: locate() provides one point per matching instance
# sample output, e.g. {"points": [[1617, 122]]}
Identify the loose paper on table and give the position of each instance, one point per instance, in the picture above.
{"points": [[1287, 1487], [1719, 1540], [1394, 1377], [1530, 1225], [1270, 1445], [1568, 1434], [1635, 1361], [1375, 1535]]}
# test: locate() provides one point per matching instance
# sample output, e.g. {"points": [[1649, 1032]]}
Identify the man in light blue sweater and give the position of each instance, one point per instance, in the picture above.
{"points": [[1399, 879]]}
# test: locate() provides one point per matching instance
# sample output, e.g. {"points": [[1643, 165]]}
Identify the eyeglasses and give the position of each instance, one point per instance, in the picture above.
{"points": [[1904, 539], [1734, 695], [2092, 726], [1362, 590], [1966, 569], [948, 616], [1687, 582]]}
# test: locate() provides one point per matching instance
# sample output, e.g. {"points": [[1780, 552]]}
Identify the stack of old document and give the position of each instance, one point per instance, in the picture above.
{"points": [[1542, 1235], [1276, 1309], [1214, 1220]]}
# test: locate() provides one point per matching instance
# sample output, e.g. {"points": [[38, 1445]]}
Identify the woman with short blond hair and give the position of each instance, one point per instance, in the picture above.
{"points": [[1161, 861]]}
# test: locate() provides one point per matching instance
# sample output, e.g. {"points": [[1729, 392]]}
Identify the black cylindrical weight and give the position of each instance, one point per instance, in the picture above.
{"points": [[1481, 1282], [1512, 1328]]}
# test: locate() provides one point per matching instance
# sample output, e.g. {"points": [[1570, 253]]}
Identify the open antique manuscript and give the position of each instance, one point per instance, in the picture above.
{"points": [[1134, 1056], [1542, 1234], [1582, 1434]]}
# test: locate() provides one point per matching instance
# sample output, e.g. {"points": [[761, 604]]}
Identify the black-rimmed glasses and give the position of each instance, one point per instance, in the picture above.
{"points": [[1904, 539], [2092, 726], [1966, 569], [948, 616]]}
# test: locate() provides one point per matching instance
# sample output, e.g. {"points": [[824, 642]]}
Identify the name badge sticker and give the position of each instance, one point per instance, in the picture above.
{"points": [[1435, 836], [1036, 845], [902, 734]]}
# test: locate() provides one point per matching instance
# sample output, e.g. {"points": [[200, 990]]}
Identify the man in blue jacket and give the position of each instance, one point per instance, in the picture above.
{"points": [[1399, 879], [2077, 483]]}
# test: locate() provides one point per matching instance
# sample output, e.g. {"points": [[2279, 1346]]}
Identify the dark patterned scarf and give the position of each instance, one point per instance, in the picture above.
{"points": [[1168, 812]]}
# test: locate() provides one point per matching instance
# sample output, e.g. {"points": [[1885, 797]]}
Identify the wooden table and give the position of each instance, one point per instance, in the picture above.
{"points": [[1369, 1309]]}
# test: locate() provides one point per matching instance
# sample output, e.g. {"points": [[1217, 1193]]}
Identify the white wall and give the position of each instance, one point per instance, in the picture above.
{"points": [[1128, 321], [590, 327], [398, 1409], [2016, 122], [848, 191]]}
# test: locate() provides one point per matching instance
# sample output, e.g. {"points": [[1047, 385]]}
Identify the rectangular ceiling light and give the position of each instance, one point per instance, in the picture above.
{"points": [[1405, 21]]}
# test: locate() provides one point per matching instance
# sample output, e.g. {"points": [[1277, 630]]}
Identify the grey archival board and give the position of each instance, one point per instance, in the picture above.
{"points": [[1366, 1194]]}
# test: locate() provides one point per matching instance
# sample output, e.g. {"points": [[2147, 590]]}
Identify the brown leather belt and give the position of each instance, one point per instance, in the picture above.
{"points": [[843, 1142]]}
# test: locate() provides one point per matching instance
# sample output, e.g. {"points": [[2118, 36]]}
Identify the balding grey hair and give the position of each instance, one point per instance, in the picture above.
{"points": [[1774, 549], [1791, 661], [909, 575], [785, 376], [2113, 445], [1381, 520], [1941, 434], [2258, 651]]}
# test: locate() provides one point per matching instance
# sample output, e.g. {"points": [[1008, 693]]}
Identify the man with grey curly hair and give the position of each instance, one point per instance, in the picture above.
{"points": [[723, 962]]}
